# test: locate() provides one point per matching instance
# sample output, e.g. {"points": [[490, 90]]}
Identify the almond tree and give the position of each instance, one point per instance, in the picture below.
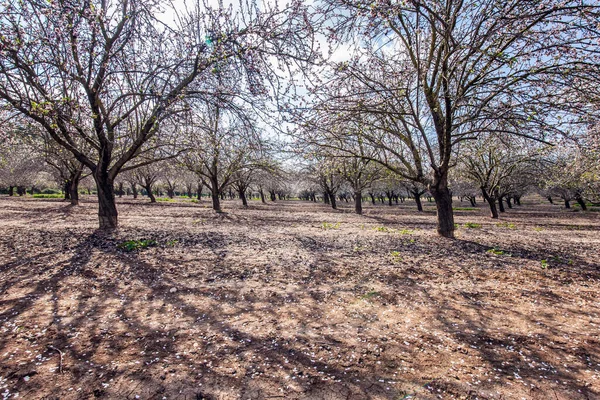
{"points": [[430, 74], [108, 73]]}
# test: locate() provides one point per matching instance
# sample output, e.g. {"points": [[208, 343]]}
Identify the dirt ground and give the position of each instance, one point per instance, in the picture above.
{"points": [[293, 300]]}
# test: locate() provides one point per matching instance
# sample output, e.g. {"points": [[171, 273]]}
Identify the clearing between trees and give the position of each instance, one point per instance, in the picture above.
{"points": [[293, 300]]}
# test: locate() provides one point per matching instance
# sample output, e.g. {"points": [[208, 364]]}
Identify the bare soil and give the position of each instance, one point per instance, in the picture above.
{"points": [[293, 300]]}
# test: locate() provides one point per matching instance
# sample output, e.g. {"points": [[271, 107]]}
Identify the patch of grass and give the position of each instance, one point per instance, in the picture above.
{"points": [[48, 196], [406, 232], [133, 245], [329, 225], [538, 228], [369, 295], [508, 225], [544, 264], [496, 251], [382, 229], [472, 225], [465, 208], [172, 242], [396, 256], [165, 199]]}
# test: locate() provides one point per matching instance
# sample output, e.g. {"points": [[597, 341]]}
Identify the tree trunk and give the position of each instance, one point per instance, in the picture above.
{"points": [[121, 189], [518, 200], [472, 200], [134, 190], [66, 189], [491, 202], [567, 204], [389, 196], [199, 191], [242, 194], [332, 200], [150, 193], [11, 190], [443, 203], [74, 189], [107, 208], [581, 202], [508, 202], [550, 199], [372, 198], [358, 202], [501, 204], [262, 196], [325, 198], [216, 196], [272, 195], [417, 197]]}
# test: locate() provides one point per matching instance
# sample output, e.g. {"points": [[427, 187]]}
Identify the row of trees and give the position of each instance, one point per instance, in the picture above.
{"points": [[421, 96]]}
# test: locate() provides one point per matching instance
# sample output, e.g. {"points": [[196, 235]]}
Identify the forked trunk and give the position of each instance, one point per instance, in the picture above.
{"points": [[491, 202], [358, 202], [107, 208]]}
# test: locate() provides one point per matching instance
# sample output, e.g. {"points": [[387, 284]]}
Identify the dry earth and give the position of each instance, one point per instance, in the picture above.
{"points": [[292, 300]]}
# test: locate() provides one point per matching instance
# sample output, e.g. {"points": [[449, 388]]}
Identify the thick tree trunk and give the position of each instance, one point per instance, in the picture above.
{"points": [[501, 204], [508, 201], [358, 202], [389, 196], [332, 200], [74, 189], [216, 196], [550, 199], [242, 194], [170, 193], [272, 195], [443, 202], [518, 200], [150, 194], [472, 200], [107, 208], [581, 202], [121, 191], [134, 190], [262, 196], [199, 191], [67, 190], [326, 198], [417, 197], [567, 204], [11, 190]]}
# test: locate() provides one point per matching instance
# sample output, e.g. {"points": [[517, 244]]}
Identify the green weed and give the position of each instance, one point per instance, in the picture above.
{"points": [[508, 225], [369, 295], [133, 245], [472, 225], [396, 256], [496, 251], [464, 209], [328, 225], [165, 199], [48, 196]]}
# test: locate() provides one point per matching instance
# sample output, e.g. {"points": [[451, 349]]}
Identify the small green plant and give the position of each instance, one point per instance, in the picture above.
{"points": [[496, 251], [544, 264], [472, 225], [133, 245], [396, 256], [328, 225], [465, 208], [508, 225], [406, 232], [48, 196], [382, 229], [538, 228], [172, 242], [165, 199], [369, 295], [358, 248]]}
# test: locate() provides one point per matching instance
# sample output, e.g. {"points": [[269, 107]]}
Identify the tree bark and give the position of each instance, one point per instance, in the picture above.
{"points": [[332, 200], [262, 196], [216, 196], [417, 197], [508, 202], [372, 198], [443, 202], [358, 202], [199, 191], [325, 198], [150, 193], [501, 204], [550, 199], [107, 208], [134, 190], [11, 190], [242, 194], [491, 202], [581, 202], [74, 189], [567, 204]]}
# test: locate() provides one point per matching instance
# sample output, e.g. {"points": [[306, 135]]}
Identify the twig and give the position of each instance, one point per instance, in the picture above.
{"points": [[60, 365]]}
